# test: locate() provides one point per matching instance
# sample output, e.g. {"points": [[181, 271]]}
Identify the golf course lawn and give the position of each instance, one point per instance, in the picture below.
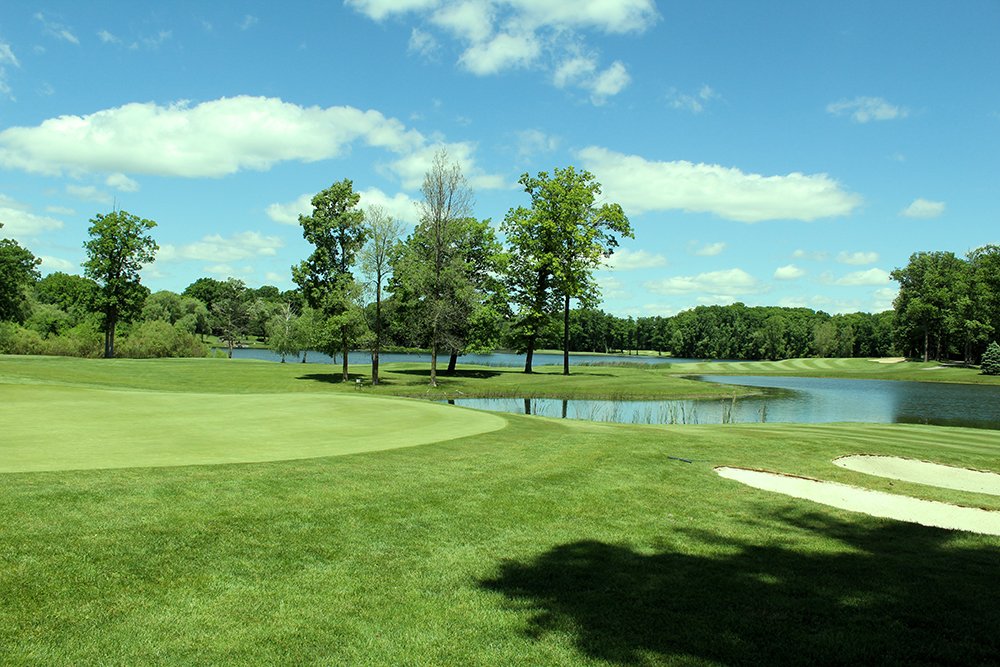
{"points": [[519, 540], [69, 428]]}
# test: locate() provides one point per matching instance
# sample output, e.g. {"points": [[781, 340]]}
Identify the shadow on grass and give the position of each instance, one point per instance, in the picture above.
{"points": [[335, 378], [895, 594], [478, 373]]}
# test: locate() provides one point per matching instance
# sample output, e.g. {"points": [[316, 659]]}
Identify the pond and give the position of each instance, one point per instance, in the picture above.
{"points": [[786, 399], [363, 358]]}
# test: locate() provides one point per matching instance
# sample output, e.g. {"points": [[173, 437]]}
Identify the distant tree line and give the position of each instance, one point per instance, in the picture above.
{"points": [[452, 287]]}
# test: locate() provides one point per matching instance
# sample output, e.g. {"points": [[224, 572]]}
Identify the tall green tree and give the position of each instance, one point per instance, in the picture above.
{"points": [[119, 245], [932, 287], [336, 228], [376, 263], [18, 273], [430, 266], [231, 311], [282, 332], [984, 265], [206, 290], [562, 240], [533, 244]]}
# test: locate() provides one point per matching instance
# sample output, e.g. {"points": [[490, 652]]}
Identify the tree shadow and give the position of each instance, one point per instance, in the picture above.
{"points": [[894, 594], [336, 378], [477, 373]]}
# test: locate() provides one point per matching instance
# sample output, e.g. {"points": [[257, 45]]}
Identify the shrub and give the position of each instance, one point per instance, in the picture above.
{"points": [[157, 338], [15, 339], [991, 360]]}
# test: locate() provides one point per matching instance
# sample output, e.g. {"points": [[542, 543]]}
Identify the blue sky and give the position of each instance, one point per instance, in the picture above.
{"points": [[778, 153]]}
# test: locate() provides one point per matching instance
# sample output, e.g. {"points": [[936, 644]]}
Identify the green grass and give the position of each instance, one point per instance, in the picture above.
{"points": [[66, 428], [544, 542], [397, 379]]}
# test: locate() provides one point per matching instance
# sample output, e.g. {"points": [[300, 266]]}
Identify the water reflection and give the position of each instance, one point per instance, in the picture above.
{"points": [[799, 400]]}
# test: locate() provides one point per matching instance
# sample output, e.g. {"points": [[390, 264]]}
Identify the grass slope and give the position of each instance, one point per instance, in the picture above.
{"points": [[545, 542]]}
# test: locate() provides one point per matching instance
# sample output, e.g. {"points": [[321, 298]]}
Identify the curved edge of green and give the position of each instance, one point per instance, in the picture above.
{"points": [[52, 428]]}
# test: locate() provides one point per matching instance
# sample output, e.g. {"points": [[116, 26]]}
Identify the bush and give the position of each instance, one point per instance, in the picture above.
{"points": [[157, 338], [15, 339], [991, 360]]}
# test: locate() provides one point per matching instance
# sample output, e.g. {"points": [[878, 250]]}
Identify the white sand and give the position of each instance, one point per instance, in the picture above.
{"points": [[923, 472], [889, 360], [874, 503]]}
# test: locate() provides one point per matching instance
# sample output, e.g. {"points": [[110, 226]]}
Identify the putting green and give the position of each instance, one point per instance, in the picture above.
{"points": [[67, 428]]}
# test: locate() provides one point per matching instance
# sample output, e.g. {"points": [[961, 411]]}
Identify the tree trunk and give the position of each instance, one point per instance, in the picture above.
{"points": [[109, 334], [529, 353], [926, 343], [543, 286], [434, 364], [452, 362], [343, 345], [304, 354], [566, 335]]}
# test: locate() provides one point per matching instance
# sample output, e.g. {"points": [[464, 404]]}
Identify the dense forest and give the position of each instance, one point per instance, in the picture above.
{"points": [[452, 286]]}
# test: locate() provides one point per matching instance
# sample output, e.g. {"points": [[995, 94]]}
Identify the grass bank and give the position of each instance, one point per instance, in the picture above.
{"points": [[397, 379], [544, 542]]}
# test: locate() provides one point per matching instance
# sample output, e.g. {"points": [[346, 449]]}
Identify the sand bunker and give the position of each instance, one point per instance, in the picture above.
{"points": [[923, 472], [889, 360], [874, 503]]}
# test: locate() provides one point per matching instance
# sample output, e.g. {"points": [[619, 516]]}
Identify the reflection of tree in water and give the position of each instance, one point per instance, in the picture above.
{"points": [[896, 593]]}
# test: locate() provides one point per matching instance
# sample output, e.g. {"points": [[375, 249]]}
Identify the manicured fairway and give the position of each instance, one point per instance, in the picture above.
{"points": [[544, 542], [68, 428]]}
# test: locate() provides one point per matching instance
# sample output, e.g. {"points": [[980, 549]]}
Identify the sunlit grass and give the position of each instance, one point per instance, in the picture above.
{"points": [[546, 542]]}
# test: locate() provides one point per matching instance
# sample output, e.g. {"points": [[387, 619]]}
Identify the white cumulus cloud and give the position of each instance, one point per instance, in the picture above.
{"points": [[400, 206], [867, 277], [89, 193], [412, 167], [858, 258], [866, 109], [423, 43], [216, 248], [122, 183], [695, 103], [923, 208], [788, 272], [498, 35], [288, 213], [641, 185], [57, 264], [723, 284], [56, 29], [501, 52], [7, 57], [212, 139], [707, 249], [624, 259], [20, 223]]}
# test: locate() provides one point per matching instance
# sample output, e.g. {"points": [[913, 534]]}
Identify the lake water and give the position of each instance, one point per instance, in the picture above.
{"points": [[364, 358], [801, 400]]}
